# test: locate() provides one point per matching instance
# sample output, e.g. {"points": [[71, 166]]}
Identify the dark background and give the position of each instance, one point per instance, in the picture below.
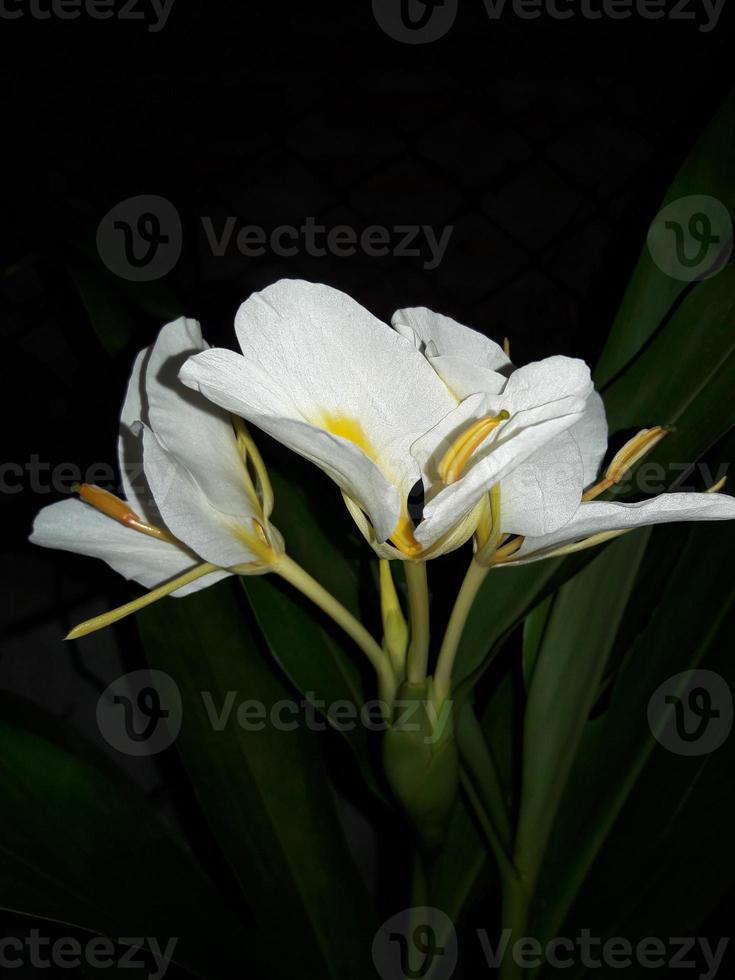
{"points": [[547, 145]]}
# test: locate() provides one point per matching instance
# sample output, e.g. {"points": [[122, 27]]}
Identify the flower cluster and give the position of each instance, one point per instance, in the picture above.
{"points": [[430, 432]]}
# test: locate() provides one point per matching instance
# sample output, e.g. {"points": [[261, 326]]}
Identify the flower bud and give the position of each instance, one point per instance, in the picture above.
{"points": [[421, 762]]}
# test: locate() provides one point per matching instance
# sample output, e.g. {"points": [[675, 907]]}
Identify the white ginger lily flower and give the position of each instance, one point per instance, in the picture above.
{"points": [[193, 513], [326, 378], [546, 504]]}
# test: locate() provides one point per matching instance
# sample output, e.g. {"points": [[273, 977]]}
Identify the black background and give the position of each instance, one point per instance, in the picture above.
{"points": [[547, 145]]}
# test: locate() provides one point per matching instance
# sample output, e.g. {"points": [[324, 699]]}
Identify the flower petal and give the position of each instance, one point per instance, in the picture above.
{"points": [[590, 434], [543, 493], [189, 514], [199, 434], [599, 516], [130, 448], [73, 525], [332, 382], [466, 360], [543, 399]]}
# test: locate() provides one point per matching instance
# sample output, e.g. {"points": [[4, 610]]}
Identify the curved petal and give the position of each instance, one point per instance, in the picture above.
{"points": [[599, 516], [198, 433], [543, 400], [332, 382], [73, 525], [543, 494], [466, 360], [189, 514], [130, 448], [590, 434]]}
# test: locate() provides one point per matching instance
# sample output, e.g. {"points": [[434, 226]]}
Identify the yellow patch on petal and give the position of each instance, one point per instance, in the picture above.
{"points": [[350, 429]]}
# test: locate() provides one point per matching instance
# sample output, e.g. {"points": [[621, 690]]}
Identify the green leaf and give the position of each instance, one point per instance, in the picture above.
{"points": [[261, 783], [82, 846], [696, 356], [534, 630], [651, 292], [318, 659], [617, 746], [578, 639]]}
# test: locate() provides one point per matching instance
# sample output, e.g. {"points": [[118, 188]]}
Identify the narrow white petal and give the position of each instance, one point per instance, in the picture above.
{"points": [[72, 525], [130, 448], [199, 434], [598, 516], [189, 515]]}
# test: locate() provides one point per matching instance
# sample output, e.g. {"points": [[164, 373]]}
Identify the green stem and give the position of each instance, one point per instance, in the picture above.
{"points": [[293, 573], [457, 621], [514, 917], [418, 598]]}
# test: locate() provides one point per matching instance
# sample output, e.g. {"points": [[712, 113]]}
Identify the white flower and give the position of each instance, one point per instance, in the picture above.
{"points": [[192, 511], [543, 488], [329, 380]]}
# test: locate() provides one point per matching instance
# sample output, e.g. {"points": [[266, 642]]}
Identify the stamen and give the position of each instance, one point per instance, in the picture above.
{"points": [[458, 455], [119, 510], [717, 486], [506, 346], [632, 452], [403, 538]]}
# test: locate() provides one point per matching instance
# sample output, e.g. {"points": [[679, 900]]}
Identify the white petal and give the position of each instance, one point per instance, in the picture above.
{"points": [[73, 525], [590, 434], [189, 514], [130, 447], [554, 379], [423, 327], [332, 382], [544, 399], [598, 516], [199, 434], [466, 360], [543, 493]]}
